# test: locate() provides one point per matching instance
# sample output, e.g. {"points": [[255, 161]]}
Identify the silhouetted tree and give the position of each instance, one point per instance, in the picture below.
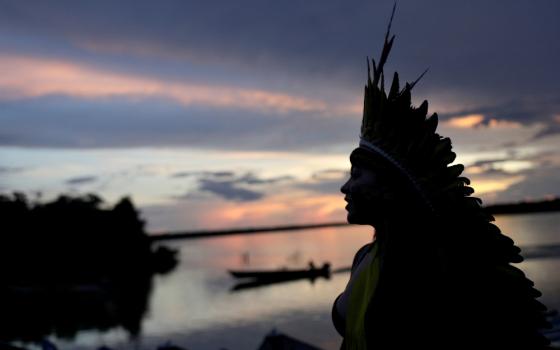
{"points": [[74, 263]]}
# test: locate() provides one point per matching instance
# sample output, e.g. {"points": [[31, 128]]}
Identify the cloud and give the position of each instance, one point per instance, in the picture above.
{"points": [[81, 180], [245, 187], [228, 190], [251, 179], [32, 77], [488, 162], [183, 174], [479, 53], [526, 110], [10, 170], [248, 187], [325, 181], [548, 130], [66, 122], [538, 183], [329, 174], [467, 121], [518, 177], [217, 213], [249, 65], [490, 172], [267, 77]]}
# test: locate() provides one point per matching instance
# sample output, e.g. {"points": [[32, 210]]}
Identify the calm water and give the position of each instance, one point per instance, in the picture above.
{"points": [[194, 307]]}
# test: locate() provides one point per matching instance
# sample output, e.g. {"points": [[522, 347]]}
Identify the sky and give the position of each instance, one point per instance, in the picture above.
{"points": [[220, 114]]}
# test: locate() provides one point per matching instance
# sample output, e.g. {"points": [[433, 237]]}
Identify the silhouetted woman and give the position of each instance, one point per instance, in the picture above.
{"points": [[438, 273]]}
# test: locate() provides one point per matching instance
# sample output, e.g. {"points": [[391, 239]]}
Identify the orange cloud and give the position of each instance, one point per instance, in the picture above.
{"points": [[473, 120], [24, 76], [467, 121], [483, 186], [495, 123]]}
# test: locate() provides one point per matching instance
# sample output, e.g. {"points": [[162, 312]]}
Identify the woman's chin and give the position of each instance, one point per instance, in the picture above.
{"points": [[354, 219]]}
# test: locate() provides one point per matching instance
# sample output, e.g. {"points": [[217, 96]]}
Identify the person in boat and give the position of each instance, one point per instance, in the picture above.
{"points": [[311, 265], [438, 274]]}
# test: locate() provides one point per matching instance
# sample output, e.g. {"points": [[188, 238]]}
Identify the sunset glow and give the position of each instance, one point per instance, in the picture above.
{"points": [[467, 121], [32, 77], [212, 117], [483, 186]]}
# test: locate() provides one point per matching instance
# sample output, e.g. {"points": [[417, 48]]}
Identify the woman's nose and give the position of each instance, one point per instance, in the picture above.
{"points": [[345, 187]]}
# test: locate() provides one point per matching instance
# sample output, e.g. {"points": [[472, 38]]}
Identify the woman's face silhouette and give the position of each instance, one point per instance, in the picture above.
{"points": [[363, 195]]}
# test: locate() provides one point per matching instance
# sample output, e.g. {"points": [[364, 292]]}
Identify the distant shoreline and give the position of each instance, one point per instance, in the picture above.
{"points": [[525, 207], [498, 209], [227, 232]]}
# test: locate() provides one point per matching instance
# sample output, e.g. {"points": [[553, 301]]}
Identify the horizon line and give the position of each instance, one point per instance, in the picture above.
{"points": [[497, 209]]}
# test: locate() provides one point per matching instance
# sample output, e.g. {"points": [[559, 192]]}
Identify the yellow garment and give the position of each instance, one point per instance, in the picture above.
{"points": [[360, 295]]}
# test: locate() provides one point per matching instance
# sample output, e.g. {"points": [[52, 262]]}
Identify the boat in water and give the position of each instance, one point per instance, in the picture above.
{"points": [[284, 273]]}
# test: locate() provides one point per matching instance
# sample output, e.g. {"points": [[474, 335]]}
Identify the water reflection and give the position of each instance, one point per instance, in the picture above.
{"points": [[251, 284], [541, 251], [71, 265], [260, 278], [193, 306], [32, 312]]}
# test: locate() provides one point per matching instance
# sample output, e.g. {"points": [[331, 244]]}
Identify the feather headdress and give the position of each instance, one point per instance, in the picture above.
{"points": [[406, 137]]}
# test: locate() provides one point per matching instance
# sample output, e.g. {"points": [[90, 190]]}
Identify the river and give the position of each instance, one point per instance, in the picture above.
{"points": [[195, 307]]}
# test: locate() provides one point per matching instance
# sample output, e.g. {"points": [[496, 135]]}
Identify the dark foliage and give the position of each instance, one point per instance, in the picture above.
{"points": [[72, 264]]}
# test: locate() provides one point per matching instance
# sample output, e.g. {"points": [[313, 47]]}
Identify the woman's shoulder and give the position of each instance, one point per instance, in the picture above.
{"points": [[361, 253]]}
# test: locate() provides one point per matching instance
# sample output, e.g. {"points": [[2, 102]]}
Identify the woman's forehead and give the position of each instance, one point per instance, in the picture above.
{"points": [[368, 169], [358, 160]]}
